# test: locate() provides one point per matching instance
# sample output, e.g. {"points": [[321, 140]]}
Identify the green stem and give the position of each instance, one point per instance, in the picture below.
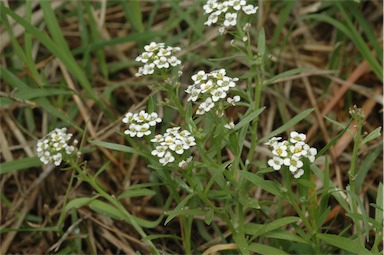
{"points": [[352, 176]]}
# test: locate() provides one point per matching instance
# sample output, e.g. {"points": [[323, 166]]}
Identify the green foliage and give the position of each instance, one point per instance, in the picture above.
{"points": [[223, 187]]}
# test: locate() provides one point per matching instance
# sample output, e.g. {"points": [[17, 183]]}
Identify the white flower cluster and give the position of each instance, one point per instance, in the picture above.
{"points": [[140, 123], [157, 56], [54, 146], [290, 153], [172, 141], [211, 87], [226, 12]]}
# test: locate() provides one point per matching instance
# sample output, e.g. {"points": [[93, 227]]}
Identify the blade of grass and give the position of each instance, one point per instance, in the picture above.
{"points": [[299, 117]]}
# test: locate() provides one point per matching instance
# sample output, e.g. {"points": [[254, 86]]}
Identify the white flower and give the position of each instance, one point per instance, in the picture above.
{"points": [[236, 4], [173, 61], [212, 19], [233, 100], [199, 76], [276, 162], [167, 158], [148, 69], [217, 94], [157, 56], [296, 137], [162, 62], [140, 123], [299, 149], [279, 149], [54, 147], [294, 163], [272, 141], [159, 151], [249, 9], [153, 46], [210, 6], [229, 125], [311, 153], [298, 173]]}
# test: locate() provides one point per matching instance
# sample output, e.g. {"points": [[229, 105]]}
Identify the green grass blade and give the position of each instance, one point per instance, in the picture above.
{"points": [[299, 117], [265, 249], [19, 164], [132, 12], [343, 243], [119, 147]]}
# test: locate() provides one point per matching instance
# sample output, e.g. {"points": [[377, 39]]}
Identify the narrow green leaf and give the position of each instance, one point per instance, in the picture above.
{"points": [[284, 75], [147, 223], [78, 202], [261, 43], [333, 141], [265, 249], [118, 147], [285, 235], [299, 117], [343, 243], [373, 135], [266, 185], [266, 228], [178, 208], [366, 166], [106, 209], [19, 164], [132, 12], [137, 193], [247, 119], [379, 203]]}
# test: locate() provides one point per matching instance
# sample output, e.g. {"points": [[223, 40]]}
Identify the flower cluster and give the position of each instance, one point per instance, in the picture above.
{"points": [[140, 123], [157, 56], [172, 142], [54, 147], [226, 12], [290, 153], [211, 87]]}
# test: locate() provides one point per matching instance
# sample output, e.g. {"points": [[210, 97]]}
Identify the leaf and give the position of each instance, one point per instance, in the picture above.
{"points": [[19, 164], [261, 43], [266, 185], [373, 135], [333, 141], [278, 223], [106, 209], [178, 208], [283, 75], [343, 243], [133, 14], [299, 117], [285, 235], [136, 193], [265, 249], [78, 202], [247, 119], [118, 147]]}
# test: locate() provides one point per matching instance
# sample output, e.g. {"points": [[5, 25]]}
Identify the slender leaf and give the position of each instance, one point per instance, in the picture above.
{"points": [[19, 164], [343, 243], [265, 249], [118, 147], [178, 208], [299, 117], [247, 119], [266, 185]]}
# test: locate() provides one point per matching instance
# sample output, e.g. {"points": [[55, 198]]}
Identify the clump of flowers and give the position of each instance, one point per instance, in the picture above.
{"points": [[225, 12], [157, 56], [172, 143], [290, 153], [211, 87], [54, 147], [139, 123]]}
